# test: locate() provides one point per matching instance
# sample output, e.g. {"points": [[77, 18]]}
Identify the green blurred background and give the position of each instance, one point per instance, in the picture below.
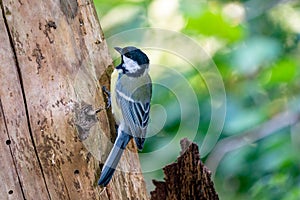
{"points": [[255, 46]]}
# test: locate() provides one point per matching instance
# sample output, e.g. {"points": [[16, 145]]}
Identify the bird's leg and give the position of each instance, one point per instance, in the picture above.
{"points": [[108, 96], [117, 128], [105, 90]]}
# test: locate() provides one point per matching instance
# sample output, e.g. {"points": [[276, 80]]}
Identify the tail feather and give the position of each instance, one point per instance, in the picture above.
{"points": [[114, 158], [139, 142], [106, 175]]}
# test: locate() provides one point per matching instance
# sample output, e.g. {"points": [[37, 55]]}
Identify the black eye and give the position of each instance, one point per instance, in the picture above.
{"points": [[128, 55]]}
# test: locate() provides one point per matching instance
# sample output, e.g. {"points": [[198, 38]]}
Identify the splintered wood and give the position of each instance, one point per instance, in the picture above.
{"points": [[187, 178]]}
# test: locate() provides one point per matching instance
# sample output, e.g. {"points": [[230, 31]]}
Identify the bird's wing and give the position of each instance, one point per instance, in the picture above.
{"points": [[136, 116]]}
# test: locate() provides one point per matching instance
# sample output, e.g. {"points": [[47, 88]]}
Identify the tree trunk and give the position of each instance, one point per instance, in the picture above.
{"points": [[53, 60]]}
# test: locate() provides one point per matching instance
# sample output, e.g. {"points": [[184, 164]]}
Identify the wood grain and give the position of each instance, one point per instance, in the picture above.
{"points": [[187, 178], [19, 156]]}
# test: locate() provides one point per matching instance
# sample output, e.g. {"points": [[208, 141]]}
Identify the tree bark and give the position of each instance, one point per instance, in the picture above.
{"points": [[54, 60], [187, 178]]}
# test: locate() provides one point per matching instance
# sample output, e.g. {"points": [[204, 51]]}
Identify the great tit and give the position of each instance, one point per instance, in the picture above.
{"points": [[131, 91]]}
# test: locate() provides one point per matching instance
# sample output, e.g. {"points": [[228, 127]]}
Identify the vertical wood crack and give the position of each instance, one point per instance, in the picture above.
{"points": [[11, 153]]}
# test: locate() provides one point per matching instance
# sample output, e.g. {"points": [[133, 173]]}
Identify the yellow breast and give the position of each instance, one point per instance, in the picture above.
{"points": [[115, 107]]}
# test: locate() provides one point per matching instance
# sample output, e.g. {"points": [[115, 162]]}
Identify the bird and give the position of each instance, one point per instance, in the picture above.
{"points": [[131, 92]]}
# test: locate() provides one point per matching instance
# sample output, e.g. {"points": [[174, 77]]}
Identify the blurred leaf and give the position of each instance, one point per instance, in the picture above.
{"points": [[292, 194], [255, 53], [239, 119], [213, 24], [192, 8], [283, 71]]}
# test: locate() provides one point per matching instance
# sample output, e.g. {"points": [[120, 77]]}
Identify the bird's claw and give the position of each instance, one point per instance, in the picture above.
{"points": [[108, 96]]}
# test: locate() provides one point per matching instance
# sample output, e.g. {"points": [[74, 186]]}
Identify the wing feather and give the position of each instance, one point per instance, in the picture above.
{"points": [[136, 116]]}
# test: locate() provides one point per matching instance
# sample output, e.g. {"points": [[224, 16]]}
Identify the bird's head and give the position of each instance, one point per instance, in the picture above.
{"points": [[134, 62]]}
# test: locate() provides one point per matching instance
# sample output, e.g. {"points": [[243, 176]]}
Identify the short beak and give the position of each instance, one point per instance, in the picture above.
{"points": [[118, 49]]}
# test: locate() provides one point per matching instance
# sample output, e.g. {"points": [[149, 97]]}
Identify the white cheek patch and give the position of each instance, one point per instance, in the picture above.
{"points": [[130, 65]]}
